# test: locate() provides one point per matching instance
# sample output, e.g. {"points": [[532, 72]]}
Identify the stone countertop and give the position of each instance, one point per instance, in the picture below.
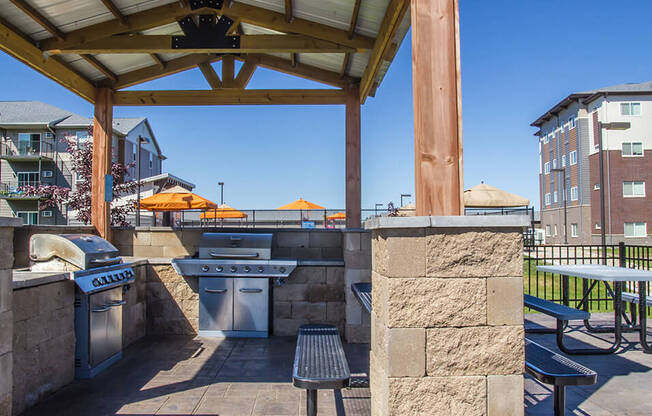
{"points": [[24, 278], [320, 262], [462, 221]]}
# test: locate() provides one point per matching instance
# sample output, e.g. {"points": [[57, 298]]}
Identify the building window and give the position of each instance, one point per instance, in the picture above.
{"points": [[46, 213], [151, 161], [597, 226], [555, 230], [596, 187], [635, 189], [554, 197], [563, 161], [554, 163], [546, 168], [29, 144], [571, 122], [548, 230], [630, 109], [574, 193], [546, 139], [28, 179], [635, 229], [632, 149], [573, 157], [28, 217], [81, 137], [573, 230], [547, 198]]}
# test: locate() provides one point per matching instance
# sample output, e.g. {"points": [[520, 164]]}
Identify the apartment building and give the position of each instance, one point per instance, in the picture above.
{"points": [[569, 153], [33, 152]]}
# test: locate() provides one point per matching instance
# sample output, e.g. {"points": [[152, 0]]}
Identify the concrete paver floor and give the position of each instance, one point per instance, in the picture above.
{"points": [[205, 376]]}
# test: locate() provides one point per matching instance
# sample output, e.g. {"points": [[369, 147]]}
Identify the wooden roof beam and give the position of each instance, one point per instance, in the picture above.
{"points": [[159, 61], [115, 11], [100, 67], [229, 97], [277, 21], [15, 44], [288, 11], [393, 17], [301, 70], [228, 72], [245, 74], [39, 18], [352, 25], [164, 43], [173, 66], [211, 76]]}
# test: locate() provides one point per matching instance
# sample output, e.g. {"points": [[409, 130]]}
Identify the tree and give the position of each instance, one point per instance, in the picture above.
{"points": [[80, 198]]}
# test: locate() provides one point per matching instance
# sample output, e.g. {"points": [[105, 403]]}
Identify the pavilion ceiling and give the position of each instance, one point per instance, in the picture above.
{"points": [[84, 44]]}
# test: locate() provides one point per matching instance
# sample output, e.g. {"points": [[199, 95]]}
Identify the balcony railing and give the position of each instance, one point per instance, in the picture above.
{"points": [[35, 149], [15, 191]]}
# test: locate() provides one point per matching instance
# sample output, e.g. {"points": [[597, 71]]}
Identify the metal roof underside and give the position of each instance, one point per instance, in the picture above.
{"points": [[72, 15]]}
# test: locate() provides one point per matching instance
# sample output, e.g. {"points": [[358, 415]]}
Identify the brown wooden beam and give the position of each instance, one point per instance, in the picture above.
{"points": [[352, 25], [159, 61], [100, 67], [353, 183], [39, 18], [288, 11], [211, 76], [16, 45], [245, 74], [163, 44], [345, 64], [102, 141], [393, 17], [147, 19], [301, 70], [173, 66], [293, 60], [229, 97], [276, 21], [115, 11], [228, 72], [437, 108]]}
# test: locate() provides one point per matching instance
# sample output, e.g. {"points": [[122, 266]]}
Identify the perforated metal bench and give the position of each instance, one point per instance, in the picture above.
{"points": [[319, 363], [551, 368]]}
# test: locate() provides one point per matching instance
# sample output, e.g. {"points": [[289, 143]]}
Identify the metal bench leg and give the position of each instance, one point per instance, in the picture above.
{"points": [[642, 304], [559, 393], [311, 402]]}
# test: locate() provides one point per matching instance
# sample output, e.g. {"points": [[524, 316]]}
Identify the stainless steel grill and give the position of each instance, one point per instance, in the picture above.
{"points": [[235, 272], [100, 277]]}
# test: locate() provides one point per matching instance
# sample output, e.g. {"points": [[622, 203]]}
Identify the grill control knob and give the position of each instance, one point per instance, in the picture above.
{"points": [[204, 268], [234, 269], [261, 269], [247, 269], [104, 280], [96, 282], [219, 268], [281, 269]]}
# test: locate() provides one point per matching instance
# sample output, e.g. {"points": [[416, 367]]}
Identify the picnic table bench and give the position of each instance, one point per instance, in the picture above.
{"points": [[319, 362], [551, 368]]}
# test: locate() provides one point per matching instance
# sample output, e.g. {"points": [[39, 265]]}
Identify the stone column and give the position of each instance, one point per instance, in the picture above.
{"points": [[6, 312], [447, 324], [357, 268]]}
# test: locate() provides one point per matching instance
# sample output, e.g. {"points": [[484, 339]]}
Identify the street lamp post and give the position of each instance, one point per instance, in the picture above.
{"points": [[406, 196], [563, 171], [607, 126], [141, 140], [221, 185]]}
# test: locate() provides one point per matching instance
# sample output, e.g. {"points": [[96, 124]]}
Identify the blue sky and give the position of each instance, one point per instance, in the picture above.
{"points": [[518, 59]]}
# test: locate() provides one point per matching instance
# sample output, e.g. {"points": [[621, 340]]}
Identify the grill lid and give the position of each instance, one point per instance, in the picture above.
{"points": [[82, 250], [241, 246]]}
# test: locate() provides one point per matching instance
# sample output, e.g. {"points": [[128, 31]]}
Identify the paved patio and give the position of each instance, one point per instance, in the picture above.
{"points": [[207, 376]]}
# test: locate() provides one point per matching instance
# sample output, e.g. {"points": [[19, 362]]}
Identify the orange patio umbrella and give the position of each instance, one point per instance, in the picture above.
{"points": [[301, 204], [176, 199], [223, 211], [338, 216]]}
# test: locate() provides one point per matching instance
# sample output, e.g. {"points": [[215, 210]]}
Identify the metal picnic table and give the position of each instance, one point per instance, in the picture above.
{"points": [[606, 274]]}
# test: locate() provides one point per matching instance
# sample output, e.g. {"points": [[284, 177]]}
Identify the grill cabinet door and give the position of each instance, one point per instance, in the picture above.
{"points": [[215, 304], [251, 304], [114, 327], [106, 325]]}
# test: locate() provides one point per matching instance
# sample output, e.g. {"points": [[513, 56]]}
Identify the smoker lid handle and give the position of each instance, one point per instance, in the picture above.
{"points": [[107, 262]]}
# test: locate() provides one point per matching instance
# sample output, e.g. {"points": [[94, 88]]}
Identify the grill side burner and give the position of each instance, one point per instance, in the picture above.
{"points": [[234, 271], [100, 278]]}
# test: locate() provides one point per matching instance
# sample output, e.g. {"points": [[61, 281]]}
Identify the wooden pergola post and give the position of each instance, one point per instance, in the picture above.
{"points": [[353, 188], [437, 107], [102, 141]]}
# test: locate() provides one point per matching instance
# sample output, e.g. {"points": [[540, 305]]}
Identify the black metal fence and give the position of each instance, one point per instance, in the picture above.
{"points": [[548, 285]]}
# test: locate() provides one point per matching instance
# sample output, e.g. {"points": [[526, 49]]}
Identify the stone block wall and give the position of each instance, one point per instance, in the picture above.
{"points": [[447, 321], [7, 227], [310, 295], [357, 260], [43, 342], [172, 301]]}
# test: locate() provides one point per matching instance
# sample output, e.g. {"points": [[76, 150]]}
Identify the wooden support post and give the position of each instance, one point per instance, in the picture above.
{"points": [[102, 138], [437, 107], [353, 188]]}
